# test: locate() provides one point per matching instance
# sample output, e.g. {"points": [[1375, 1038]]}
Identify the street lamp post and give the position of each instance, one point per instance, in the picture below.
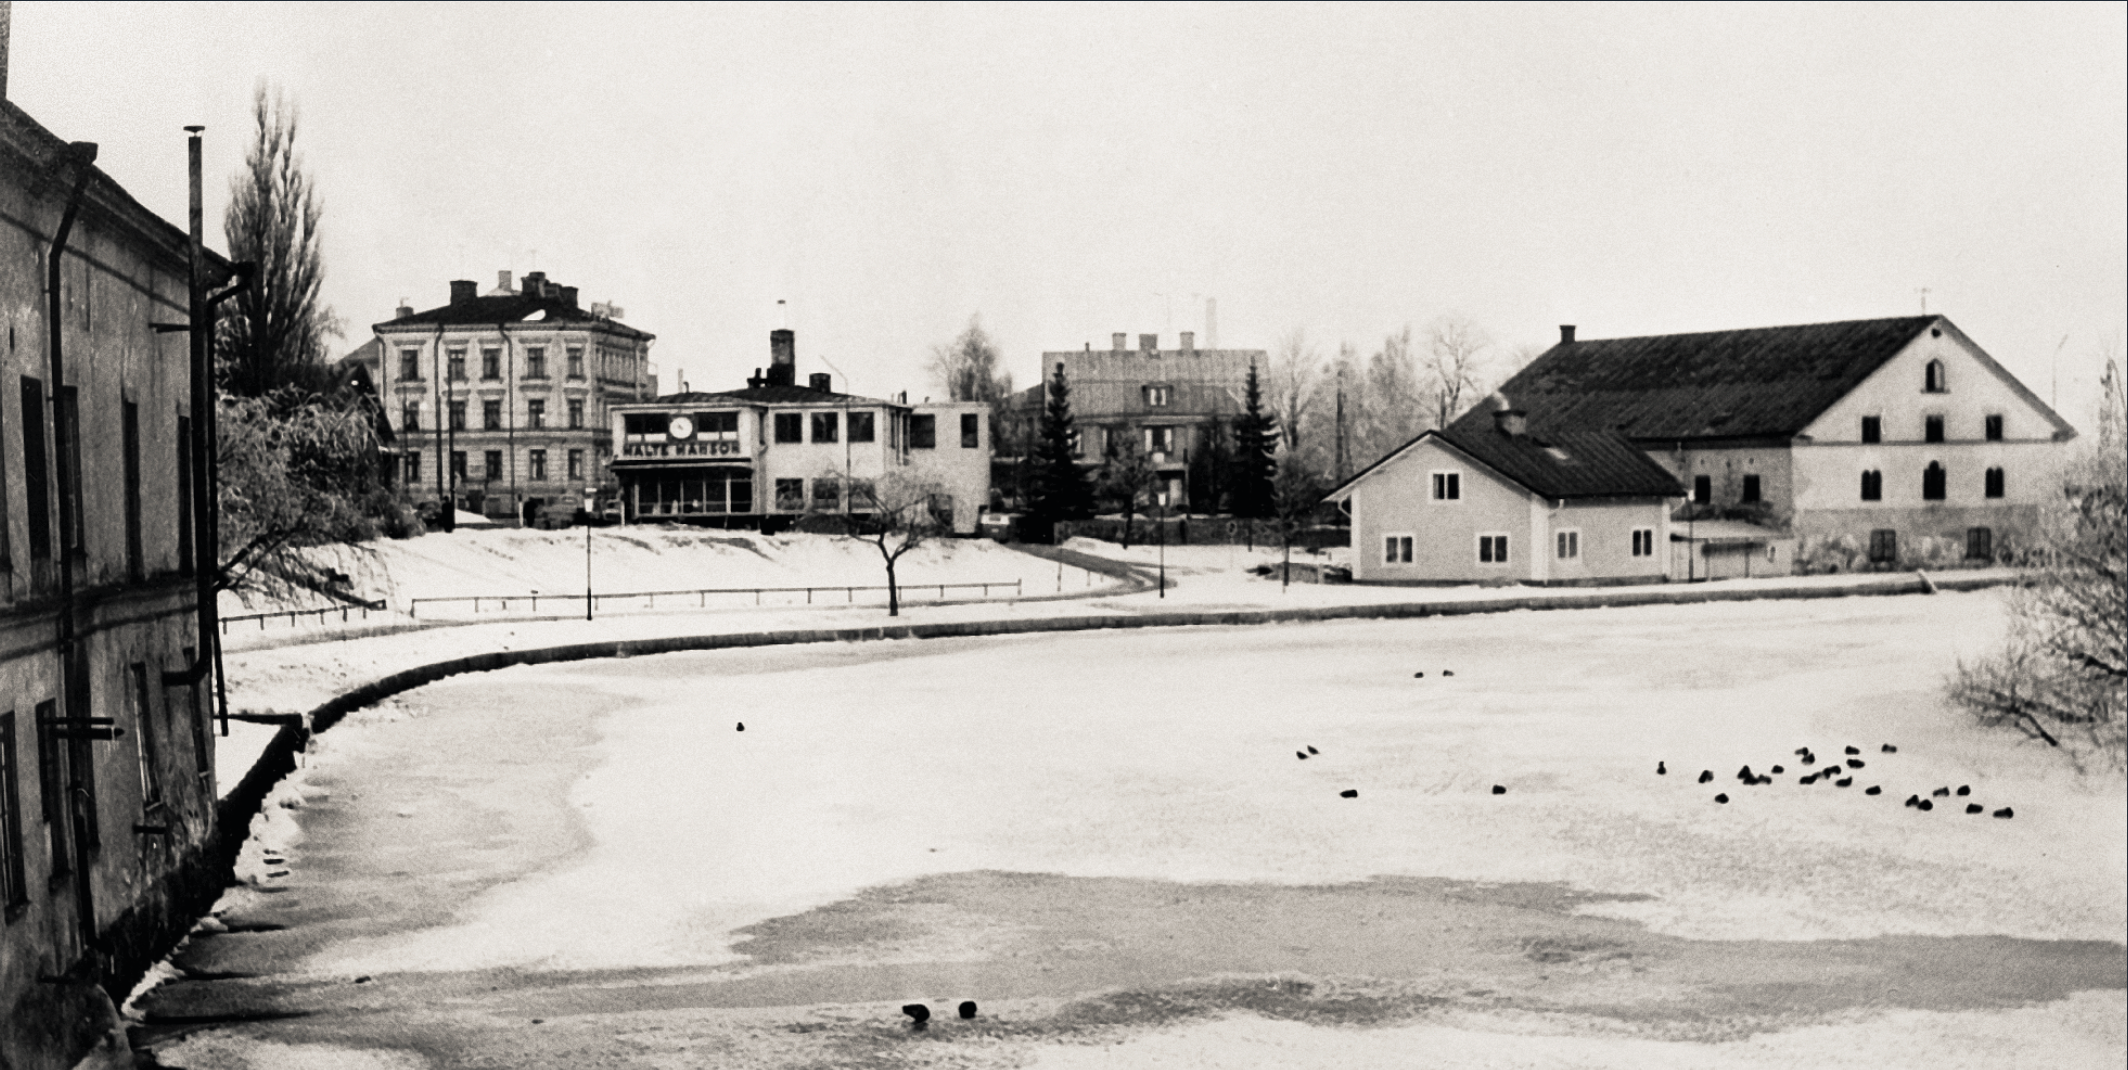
{"points": [[1162, 499]]}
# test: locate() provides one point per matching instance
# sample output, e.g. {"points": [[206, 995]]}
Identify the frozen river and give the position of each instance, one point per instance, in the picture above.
{"points": [[1110, 842]]}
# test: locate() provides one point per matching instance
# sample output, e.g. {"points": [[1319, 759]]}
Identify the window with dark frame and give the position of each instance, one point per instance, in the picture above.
{"points": [[1994, 482], [1751, 489], [1872, 429], [1933, 482], [971, 431], [455, 365], [535, 362], [1492, 549], [536, 413], [1932, 380], [790, 427], [14, 864], [576, 414], [491, 465], [826, 427], [1643, 542], [490, 363], [576, 362], [1569, 545], [410, 364], [536, 462], [923, 431], [790, 495], [413, 468], [1883, 545], [455, 413], [576, 464], [1979, 544], [863, 427], [1993, 425], [410, 416], [1932, 429], [1447, 486], [1396, 549], [1872, 486]]}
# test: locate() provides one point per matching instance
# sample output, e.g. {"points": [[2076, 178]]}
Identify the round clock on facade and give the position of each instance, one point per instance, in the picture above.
{"points": [[680, 427]]}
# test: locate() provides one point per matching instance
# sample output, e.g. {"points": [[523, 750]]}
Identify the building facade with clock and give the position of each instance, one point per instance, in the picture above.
{"points": [[774, 452]]}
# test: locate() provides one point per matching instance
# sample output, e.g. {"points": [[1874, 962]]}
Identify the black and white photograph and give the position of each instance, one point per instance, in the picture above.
{"points": [[550, 536]]}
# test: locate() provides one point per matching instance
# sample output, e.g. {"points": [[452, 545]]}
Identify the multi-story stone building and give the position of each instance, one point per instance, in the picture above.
{"points": [[1176, 406], [503, 401], [776, 451], [107, 787]]}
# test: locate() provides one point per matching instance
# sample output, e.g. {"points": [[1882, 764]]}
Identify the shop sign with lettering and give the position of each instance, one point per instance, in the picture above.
{"points": [[714, 448]]}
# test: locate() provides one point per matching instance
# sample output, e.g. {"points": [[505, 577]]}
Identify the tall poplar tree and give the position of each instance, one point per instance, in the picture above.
{"points": [[274, 333]]}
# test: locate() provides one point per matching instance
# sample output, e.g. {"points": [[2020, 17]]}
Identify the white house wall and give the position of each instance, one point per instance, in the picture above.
{"points": [[1396, 500]]}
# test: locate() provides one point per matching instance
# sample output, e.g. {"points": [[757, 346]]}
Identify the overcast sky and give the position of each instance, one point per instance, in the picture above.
{"points": [[1067, 172]]}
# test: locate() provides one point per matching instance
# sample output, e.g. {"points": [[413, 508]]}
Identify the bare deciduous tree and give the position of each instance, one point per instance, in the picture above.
{"points": [[903, 513], [1455, 355], [1291, 385], [1392, 403], [968, 366], [1126, 480]]}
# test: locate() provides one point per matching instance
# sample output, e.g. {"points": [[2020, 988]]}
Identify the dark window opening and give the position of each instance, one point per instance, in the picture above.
{"points": [[1751, 489], [1492, 549], [790, 495], [826, 428], [184, 495], [1932, 482], [536, 414], [69, 427], [576, 464], [1979, 544], [576, 414], [725, 424], [410, 416], [1994, 428], [1932, 378], [1932, 429], [413, 469], [535, 363], [410, 364], [971, 431], [202, 748], [923, 431], [643, 423], [863, 427], [1884, 545], [14, 874], [1702, 489], [1447, 486], [458, 465], [129, 435], [491, 464], [1994, 483], [1873, 486], [457, 416], [827, 496], [1872, 429], [456, 358], [536, 462], [491, 363], [790, 427], [36, 469]]}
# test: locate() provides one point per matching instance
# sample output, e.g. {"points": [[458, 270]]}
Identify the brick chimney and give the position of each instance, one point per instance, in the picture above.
{"points": [[1149, 345], [568, 296], [1566, 334], [1189, 343], [464, 290], [1507, 419], [1116, 342], [403, 311], [821, 381], [502, 282], [782, 357], [535, 284]]}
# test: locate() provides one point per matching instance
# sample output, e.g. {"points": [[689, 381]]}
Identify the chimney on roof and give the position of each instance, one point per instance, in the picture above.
{"points": [[403, 311], [1566, 334], [464, 290], [782, 357], [1507, 419], [1189, 343], [568, 296], [535, 284], [1149, 345], [502, 281], [820, 381], [1116, 341], [755, 381]]}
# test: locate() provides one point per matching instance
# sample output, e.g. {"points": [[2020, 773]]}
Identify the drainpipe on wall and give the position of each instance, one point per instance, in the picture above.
{"points": [[83, 157]]}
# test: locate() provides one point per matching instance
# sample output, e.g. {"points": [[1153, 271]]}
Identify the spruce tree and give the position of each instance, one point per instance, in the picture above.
{"points": [[1061, 490], [1255, 468]]}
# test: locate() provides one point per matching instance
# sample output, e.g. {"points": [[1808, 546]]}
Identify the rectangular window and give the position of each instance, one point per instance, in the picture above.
{"points": [[1447, 486], [1872, 486], [1492, 549], [790, 495], [184, 495], [36, 469], [14, 866], [536, 461], [147, 739], [490, 363], [576, 414], [51, 774], [1643, 542], [1884, 545], [576, 464], [129, 436], [1979, 544], [923, 431], [1751, 489], [1933, 482], [1396, 549], [972, 432], [491, 464], [535, 362], [790, 427], [576, 362], [456, 361], [1994, 483], [410, 364], [1872, 429], [491, 415], [458, 465], [457, 415], [725, 425], [863, 426], [827, 496], [825, 427], [1702, 489], [1157, 396], [410, 416], [202, 747], [1157, 439], [535, 413], [861, 496], [413, 469], [1932, 429], [1994, 427], [1568, 544]]}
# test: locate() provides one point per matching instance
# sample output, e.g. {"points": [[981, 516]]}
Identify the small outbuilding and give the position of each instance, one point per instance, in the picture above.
{"points": [[1471, 504]]}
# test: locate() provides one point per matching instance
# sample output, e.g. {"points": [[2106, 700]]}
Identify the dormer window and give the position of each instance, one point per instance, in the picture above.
{"points": [[1157, 396], [1932, 380]]}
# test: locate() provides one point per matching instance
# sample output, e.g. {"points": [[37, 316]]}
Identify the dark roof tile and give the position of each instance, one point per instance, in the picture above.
{"points": [[1566, 464], [511, 309]]}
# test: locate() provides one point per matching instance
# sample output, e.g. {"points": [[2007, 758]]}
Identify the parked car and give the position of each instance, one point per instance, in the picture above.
{"points": [[1004, 527]]}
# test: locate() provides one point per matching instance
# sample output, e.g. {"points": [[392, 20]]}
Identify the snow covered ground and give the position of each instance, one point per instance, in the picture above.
{"points": [[1168, 759]]}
